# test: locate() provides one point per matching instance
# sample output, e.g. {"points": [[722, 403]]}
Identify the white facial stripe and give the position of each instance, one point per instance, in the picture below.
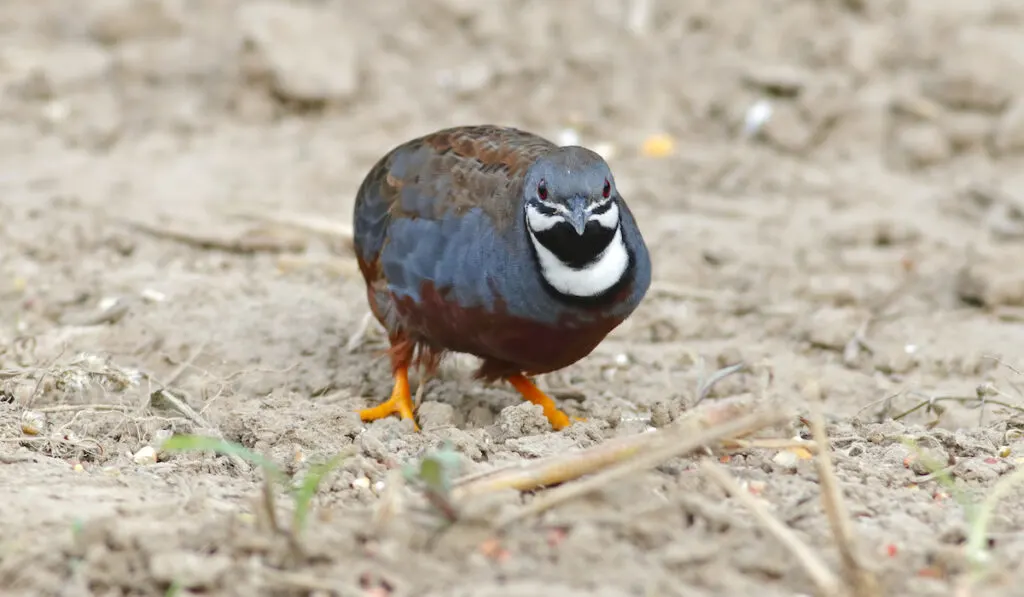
{"points": [[608, 219], [592, 280], [540, 222], [594, 206]]}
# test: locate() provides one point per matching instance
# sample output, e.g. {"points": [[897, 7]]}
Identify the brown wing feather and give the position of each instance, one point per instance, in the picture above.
{"points": [[440, 174]]}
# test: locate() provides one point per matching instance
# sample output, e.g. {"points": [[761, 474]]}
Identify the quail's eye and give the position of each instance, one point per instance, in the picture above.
{"points": [[542, 190], [607, 190]]}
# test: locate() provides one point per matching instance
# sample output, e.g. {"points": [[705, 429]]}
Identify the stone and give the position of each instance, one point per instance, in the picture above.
{"points": [[117, 21], [304, 53], [981, 71], [921, 145], [1008, 133]]}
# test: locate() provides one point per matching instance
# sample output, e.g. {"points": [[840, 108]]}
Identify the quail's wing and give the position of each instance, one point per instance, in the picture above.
{"points": [[441, 175]]}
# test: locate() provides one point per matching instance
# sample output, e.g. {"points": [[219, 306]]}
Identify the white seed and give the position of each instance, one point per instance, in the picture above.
{"points": [[146, 455], [757, 116], [786, 458], [153, 296]]}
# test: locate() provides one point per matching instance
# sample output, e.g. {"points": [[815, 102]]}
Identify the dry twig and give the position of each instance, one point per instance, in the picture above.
{"points": [[66, 408], [862, 580], [305, 582], [666, 447], [164, 394], [252, 241], [826, 581], [553, 470], [320, 226]]}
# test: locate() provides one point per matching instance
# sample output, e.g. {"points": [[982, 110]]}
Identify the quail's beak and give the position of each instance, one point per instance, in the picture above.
{"points": [[578, 214]]}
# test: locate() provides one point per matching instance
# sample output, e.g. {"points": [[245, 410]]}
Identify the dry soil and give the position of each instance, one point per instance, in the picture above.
{"points": [[839, 209]]}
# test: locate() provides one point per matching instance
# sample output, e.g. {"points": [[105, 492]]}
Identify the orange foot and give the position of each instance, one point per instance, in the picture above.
{"points": [[400, 402], [531, 393]]}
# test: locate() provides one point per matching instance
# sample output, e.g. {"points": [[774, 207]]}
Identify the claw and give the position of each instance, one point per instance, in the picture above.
{"points": [[531, 393], [400, 402]]}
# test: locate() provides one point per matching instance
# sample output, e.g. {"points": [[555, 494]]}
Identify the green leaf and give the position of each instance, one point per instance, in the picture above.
{"points": [[438, 468], [304, 493], [200, 443]]}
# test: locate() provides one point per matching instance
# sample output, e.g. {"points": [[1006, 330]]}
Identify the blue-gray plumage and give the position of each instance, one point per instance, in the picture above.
{"points": [[497, 243]]}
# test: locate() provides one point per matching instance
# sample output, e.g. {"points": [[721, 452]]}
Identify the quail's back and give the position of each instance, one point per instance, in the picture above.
{"points": [[495, 242]]}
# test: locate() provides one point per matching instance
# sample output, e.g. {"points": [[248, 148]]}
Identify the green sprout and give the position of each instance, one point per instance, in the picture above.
{"points": [[978, 515], [434, 474], [301, 494]]}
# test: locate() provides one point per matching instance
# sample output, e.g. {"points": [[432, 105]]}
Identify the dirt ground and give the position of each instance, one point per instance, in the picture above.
{"points": [[839, 210]]}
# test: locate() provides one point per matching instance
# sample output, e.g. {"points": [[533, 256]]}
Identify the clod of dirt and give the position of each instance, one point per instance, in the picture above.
{"points": [[780, 80], [874, 231], [663, 413], [979, 72], [187, 569], [531, 588], [435, 414], [302, 52], [831, 328], [119, 21], [921, 145], [1008, 134], [967, 131], [786, 129], [48, 73], [990, 282], [522, 420]]}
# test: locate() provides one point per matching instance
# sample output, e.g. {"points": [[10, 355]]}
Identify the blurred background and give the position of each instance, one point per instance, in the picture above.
{"points": [[831, 190]]}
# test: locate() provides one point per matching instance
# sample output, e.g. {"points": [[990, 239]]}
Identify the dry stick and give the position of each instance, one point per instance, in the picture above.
{"points": [[186, 364], [827, 582], [268, 505], [566, 467], [64, 408], [12, 459], [312, 224], [187, 411], [958, 400], [863, 581], [648, 460], [239, 244], [111, 314], [769, 443], [305, 582]]}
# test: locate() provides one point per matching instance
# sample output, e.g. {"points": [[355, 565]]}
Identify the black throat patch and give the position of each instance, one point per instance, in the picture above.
{"points": [[578, 251], [575, 250]]}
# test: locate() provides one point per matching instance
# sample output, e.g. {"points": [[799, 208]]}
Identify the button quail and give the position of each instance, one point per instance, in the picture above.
{"points": [[498, 243]]}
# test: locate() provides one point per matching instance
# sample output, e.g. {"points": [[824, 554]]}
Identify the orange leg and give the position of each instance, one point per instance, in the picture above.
{"points": [[531, 393], [400, 402]]}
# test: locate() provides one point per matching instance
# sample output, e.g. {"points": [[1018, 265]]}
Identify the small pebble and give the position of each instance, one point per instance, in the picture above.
{"points": [[146, 455], [786, 459], [108, 303], [153, 296], [757, 116]]}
